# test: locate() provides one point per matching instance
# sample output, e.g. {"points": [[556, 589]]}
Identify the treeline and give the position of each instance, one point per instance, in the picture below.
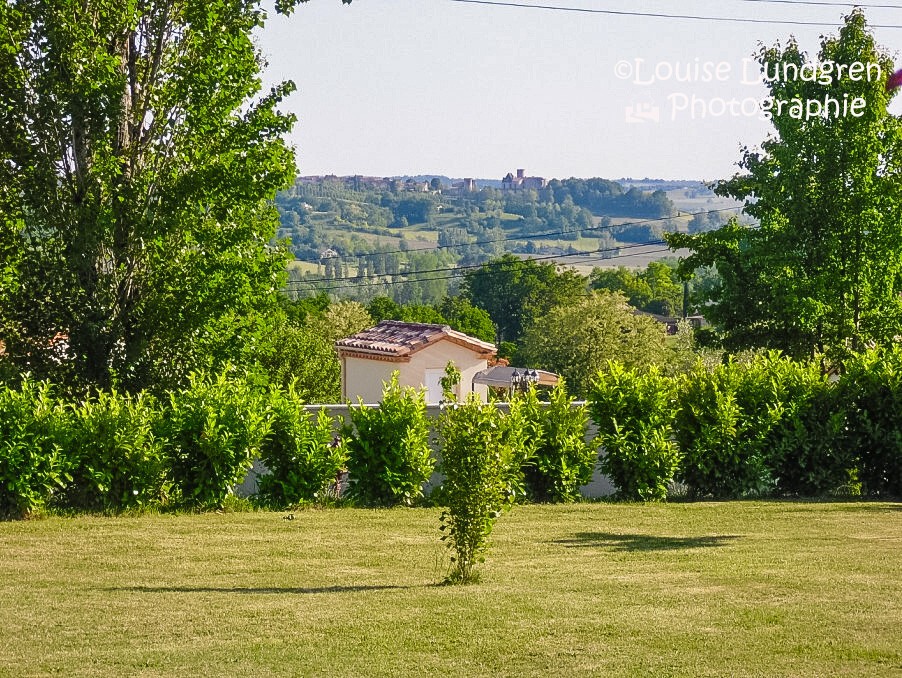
{"points": [[604, 197]]}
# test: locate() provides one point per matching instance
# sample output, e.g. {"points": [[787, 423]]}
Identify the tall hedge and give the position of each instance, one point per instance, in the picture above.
{"points": [[634, 411], [33, 432], [389, 459]]}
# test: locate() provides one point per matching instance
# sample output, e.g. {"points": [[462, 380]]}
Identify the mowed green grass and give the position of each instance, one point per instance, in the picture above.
{"points": [[705, 589]]}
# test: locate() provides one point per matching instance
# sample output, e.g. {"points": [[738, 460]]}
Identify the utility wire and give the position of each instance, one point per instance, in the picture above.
{"points": [[821, 3], [466, 267], [662, 15], [458, 271]]}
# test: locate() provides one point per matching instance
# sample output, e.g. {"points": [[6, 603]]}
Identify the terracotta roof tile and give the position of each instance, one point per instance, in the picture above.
{"points": [[396, 338]]}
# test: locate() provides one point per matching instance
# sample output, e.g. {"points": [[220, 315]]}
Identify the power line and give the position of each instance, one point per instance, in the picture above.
{"points": [[821, 3], [531, 236], [459, 270], [661, 15], [466, 267]]}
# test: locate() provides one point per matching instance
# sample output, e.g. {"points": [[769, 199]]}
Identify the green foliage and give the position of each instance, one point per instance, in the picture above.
{"points": [[449, 381], [340, 320], [823, 272], [563, 461], [623, 280], [212, 432], [603, 196], [302, 352], [522, 433], [577, 340], [872, 391], [657, 289], [116, 459], [724, 423], [32, 440], [383, 308], [301, 356], [809, 452], [480, 461], [298, 310], [516, 291], [138, 160], [389, 459], [634, 412], [300, 453], [464, 317]]}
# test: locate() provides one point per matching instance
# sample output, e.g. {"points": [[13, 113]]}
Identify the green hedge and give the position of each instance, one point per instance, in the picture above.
{"points": [[114, 453], [299, 451], [768, 426], [765, 426], [389, 459], [634, 412], [33, 432]]}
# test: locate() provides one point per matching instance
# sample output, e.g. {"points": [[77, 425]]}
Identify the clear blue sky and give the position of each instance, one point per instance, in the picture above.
{"points": [[390, 87]]}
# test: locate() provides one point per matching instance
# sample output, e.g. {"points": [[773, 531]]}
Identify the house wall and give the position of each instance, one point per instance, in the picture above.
{"points": [[362, 377], [437, 356]]}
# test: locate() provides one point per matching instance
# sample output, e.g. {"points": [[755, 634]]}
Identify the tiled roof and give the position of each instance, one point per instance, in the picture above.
{"points": [[398, 339]]}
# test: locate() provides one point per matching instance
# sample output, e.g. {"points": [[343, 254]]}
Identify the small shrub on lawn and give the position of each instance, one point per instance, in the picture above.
{"points": [[634, 412], [562, 461], [298, 451], [117, 461], [212, 431], [481, 462], [32, 440], [389, 459]]}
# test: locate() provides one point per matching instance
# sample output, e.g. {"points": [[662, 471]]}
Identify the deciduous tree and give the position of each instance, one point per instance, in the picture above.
{"points": [[577, 340], [514, 291], [138, 157], [823, 273]]}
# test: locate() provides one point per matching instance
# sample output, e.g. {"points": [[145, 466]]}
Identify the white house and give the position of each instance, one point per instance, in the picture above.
{"points": [[419, 353]]}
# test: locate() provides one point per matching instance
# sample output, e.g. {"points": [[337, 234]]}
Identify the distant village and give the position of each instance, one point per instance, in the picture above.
{"points": [[510, 182]]}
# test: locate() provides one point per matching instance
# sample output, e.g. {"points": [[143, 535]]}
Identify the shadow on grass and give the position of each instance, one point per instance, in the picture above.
{"points": [[643, 542], [258, 590]]}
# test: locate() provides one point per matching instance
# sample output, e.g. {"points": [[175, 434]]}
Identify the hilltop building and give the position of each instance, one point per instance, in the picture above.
{"points": [[522, 182]]}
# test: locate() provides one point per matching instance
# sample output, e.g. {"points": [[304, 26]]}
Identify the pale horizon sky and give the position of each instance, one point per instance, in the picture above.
{"points": [[394, 87]]}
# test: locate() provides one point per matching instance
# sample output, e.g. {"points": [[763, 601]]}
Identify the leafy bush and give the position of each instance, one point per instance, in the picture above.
{"points": [[32, 439], [212, 432], [872, 387], [562, 461], [481, 461], [808, 451], [634, 413], [717, 458], [389, 459], [117, 461], [298, 451], [726, 420]]}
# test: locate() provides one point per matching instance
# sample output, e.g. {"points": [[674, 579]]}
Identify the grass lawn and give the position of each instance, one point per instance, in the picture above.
{"points": [[706, 589]]}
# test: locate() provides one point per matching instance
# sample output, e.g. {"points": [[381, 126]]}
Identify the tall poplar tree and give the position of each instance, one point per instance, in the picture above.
{"points": [[138, 158], [823, 272]]}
